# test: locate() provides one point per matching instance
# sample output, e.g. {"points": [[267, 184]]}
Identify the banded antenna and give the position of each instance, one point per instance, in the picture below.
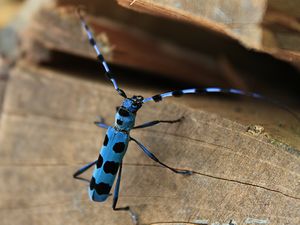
{"points": [[178, 93], [100, 57]]}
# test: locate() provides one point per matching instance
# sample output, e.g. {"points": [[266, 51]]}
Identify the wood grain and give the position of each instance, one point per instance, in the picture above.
{"points": [[231, 18], [47, 133], [269, 26], [158, 45], [60, 30], [4, 70], [2, 91]]}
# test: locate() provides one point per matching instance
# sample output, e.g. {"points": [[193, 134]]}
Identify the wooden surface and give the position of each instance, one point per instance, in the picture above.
{"points": [[159, 46], [245, 154], [270, 26], [2, 91], [231, 18], [4, 71], [121, 45], [47, 133]]}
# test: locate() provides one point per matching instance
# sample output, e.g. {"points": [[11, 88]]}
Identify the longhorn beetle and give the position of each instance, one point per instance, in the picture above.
{"points": [[109, 163]]}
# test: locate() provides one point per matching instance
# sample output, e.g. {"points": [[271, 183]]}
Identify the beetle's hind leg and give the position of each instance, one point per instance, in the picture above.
{"points": [[134, 217], [154, 122], [82, 170], [154, 158]]}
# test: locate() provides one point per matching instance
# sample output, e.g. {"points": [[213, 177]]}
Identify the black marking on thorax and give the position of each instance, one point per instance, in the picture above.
{"points": [[123, 112], [119, 122]]}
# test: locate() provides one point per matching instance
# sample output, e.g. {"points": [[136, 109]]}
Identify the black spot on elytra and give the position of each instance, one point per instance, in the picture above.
{"points": [[105, 140], [177, 93], [119, 147], [99, 161], [123, 112], [111, 167], [92, 183], [119, 122], [157, 98], [101, 188]]}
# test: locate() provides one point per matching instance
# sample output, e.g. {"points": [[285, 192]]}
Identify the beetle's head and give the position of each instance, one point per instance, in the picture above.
{"points": [[133, 104]]}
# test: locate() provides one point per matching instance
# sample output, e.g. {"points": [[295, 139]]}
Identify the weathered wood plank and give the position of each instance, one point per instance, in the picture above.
{"points": [[4, 70], [47, 134], [2, 91], [121, 44], [270, 26], [211, 59], [231, 18]]}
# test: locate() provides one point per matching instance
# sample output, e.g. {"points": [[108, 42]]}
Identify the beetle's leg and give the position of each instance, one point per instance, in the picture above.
{"points": [[82, 170], [154, 122]]}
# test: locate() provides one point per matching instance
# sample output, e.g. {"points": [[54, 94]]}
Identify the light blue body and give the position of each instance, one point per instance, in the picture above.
{"points": [[108, 154], [111, 153]]}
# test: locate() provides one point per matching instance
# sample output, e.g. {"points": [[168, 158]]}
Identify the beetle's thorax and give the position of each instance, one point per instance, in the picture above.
{"points": [[124, 120], [125, 116]]}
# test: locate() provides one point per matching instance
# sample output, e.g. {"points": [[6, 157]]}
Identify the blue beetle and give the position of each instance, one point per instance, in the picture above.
{"points": [[114, 147]]}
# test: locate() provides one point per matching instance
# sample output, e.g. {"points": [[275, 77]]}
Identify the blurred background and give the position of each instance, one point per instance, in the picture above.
{"points": [[49, 73]]}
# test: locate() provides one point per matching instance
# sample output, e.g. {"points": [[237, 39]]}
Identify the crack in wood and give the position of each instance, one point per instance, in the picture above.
{"points": [[174, 222], [153, 165], [224, 179]]}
